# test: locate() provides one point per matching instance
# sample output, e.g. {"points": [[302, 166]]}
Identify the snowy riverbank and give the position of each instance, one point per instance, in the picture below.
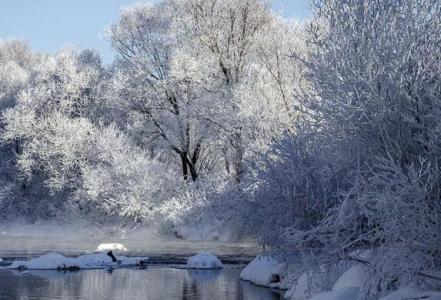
{"points": [[344, 281]]}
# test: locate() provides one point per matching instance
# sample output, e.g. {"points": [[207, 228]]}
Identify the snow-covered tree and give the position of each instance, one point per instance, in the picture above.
{"points": [[227, 32], [17, 63], [67, 155], [49, 125], [269, 99], [183, 67], [17, 66], [154, 87]]}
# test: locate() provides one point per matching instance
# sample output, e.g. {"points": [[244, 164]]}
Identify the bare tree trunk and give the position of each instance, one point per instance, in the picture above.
{"points": [[189, 165], [184, 165], [193, 171], [238, 165], [237, 144]]}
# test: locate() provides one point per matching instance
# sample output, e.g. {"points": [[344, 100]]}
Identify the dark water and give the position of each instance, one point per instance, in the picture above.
{"points": [[153, 283]]}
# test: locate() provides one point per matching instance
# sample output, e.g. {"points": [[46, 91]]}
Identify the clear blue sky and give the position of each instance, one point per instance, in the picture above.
{"points": [[51, 24]]}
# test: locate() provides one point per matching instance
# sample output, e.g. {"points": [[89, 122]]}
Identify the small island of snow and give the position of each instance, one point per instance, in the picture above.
{"points": [[204, 261], [54, 261], [264, 270]]}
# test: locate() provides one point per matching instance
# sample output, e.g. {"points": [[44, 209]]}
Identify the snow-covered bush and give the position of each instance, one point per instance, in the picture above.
{"points": [[213, 209], [297, 181], [374, 97]]}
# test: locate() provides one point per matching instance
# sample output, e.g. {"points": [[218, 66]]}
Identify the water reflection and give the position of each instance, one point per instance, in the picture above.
{"points": [[204, 275], [45, 274], [153, 284]]}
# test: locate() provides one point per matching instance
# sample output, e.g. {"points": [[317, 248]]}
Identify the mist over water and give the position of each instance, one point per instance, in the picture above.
{"points": [[72, 240]]}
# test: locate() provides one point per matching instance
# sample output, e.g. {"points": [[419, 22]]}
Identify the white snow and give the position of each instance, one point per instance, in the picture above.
{"points": [[264, 270], [54, 261], [412, 291], [1, 259], [346, 287], [312, 282], [352, 278], [204, 261], [111, 247]]}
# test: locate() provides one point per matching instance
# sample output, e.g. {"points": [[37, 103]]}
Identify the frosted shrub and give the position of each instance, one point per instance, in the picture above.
{"points": [[207, 209], [297, 184], [374, 73], [403, 212]]}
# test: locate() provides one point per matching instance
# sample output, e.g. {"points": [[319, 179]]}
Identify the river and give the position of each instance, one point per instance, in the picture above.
{"points": [[163, 278]]}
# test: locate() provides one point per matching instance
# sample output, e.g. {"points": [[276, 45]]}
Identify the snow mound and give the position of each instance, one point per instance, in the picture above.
{"points": [[412, 291], [264, 270], [344, 294], [54, 261], [352, 278], [313, 282], [346, 287], [204, 261], [111, 247]]}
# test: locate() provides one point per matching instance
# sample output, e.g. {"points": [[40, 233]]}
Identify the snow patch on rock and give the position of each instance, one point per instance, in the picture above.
{"points": [[54, 261], [204, 261], [352, 278], [264, 270]]}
